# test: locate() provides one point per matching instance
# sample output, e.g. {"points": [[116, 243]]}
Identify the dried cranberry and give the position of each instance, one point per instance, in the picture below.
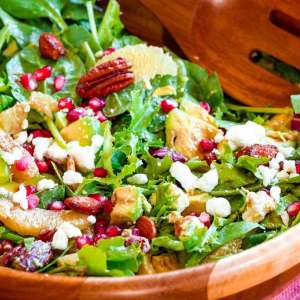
{"points": [[41, 133], [59, 82], [30, 189], [100, 172], [43, 166], [75, 114], [100, 116], [113, 230], [22, 164], [205, 219], [46, 235], [96, 103], [65, 103], [83, 240], [168, 105], [206, 145], [293, 209], [205, 106], [28, 82], [56, 206], [33, 201], [42, 73]]}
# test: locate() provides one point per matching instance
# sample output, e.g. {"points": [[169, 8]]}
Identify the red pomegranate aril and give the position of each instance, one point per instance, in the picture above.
{"points": [[75, 114], [210, 157], [298, 167], [168, 105], [46, 235], [22, 164], [100, 116], [99, 236], [108, 207], [83, 240], [100, 172], [42, 165], [96, 104], [59, 82], [29, 148], [136, 231], [65, 103], [205, 106], [30, 189], [33, 201], [205, 219], [206, 145], [293, 209], [41, 133], [28, 82], [42, 73], [56, 206], [113, 231], [109, 51], [100, 230]]}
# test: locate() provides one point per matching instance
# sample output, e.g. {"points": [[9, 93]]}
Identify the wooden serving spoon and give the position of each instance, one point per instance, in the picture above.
{"points": [[221, 35]]}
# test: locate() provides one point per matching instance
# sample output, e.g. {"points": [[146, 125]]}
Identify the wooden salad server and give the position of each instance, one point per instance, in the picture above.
{"points": [[221, 35]]}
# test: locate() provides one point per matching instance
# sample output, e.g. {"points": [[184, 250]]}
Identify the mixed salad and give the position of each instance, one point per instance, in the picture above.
{"points": [[119, 158]]}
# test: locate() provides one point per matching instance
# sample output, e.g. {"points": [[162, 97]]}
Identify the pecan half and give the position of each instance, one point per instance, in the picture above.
{"points": [[50, 46], [107, 78]]}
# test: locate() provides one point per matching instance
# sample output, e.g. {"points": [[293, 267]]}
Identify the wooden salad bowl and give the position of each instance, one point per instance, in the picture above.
{"points": [[250, 271]]}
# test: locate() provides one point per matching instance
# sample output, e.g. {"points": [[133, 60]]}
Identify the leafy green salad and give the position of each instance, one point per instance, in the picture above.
{"points": [[119, 158]]}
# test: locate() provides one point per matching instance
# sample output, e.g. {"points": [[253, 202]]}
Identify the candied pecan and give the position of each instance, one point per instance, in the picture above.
{"points": [[85, 205], [50, 46], [258, 150], [107, 78], [147, 227]]}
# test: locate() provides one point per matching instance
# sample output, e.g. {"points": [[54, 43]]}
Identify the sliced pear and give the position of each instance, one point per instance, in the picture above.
{"points": [[147, 61]]}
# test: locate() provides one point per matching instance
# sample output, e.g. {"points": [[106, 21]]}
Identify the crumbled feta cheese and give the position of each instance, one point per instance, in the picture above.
{"points": [[97, 142], [219, 137], [70, 230], [84, 156], [91, 219], [285, 218], [21, 137], [282, 175], [11, 157], [286, 151], [267, 175], [245, 135], [219, 207], [60, 240], [289, 166], [46, 184], [138, 179], [208, 181], [275, 192], [183, 175], [186, 226], [257, 206], [41, 146], [279, 157], [56, 153], [20, 197], [274, 164], [25, 124], [71, 177]]}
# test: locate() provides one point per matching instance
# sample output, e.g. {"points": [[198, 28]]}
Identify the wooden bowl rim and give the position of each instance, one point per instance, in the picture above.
{"points": [[216, 279]]}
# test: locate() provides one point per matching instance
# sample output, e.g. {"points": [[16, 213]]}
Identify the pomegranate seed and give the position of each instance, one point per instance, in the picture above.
{"points": [[41, 133], [29, 148], [206, 106], [75, 114], [83, 240], [113, 231], [108, 51], [28, 82], [100, 172], [59, 82], [56, 206], [136, 231], [100, 230], [207, 145], [100, 226], [42, 165], [96, 104], [100, 116], [22, 164], [205, 219], [42, 73], [99, 236], [33, 201], [293, 209], [30, 189], [65, 103], [167, 105], [108, 207], [46, 235], [210, 157], [298, 167]]}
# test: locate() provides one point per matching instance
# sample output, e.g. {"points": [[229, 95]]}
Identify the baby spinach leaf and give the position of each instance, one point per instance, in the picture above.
{"points": [[257, 238], [6, 102], [126, 40], [49, 196], [251, 163]]}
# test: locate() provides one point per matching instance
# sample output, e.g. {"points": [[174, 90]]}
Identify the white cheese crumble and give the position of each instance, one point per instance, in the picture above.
{"points": [[219, 137], [245, 135], [20, 197], [97, 142], [71, 177], [218, 206], [91, 219], [275, 192], [286, 151], [46, 184], [267, 175], [11, 157], [41, 146], [138, 179], [56, 153], [188, 225], [208, 181], [289, 166], [282, 175], [70, 230], [257, 206], [21, 137]]}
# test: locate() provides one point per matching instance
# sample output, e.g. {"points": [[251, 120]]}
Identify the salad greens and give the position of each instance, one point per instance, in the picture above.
{"points": [[157, 172]]}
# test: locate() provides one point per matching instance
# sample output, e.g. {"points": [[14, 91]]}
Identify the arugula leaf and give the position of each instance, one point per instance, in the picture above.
{"points": [[251, 163], [49, 196]]}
